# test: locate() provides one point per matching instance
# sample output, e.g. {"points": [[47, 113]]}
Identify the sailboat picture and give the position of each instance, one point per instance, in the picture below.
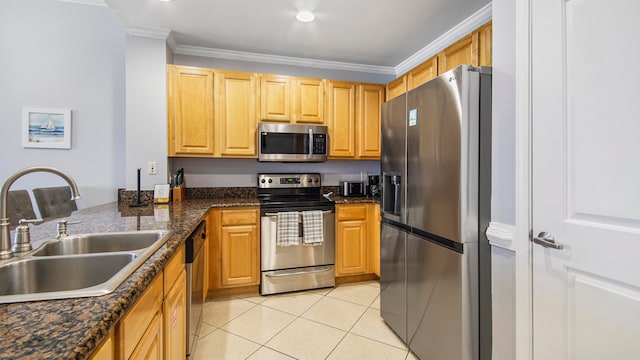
{"points": [[46, 128]]}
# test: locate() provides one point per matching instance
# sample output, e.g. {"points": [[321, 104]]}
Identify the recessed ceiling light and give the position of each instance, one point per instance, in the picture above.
{"points": [[305, 16]]}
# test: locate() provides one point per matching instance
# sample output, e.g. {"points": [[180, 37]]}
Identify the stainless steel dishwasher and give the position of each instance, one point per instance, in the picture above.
{"points": [[195, 282]]}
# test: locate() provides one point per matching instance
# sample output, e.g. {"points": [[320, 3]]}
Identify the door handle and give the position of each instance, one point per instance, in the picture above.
{"points": [[547, 240]]}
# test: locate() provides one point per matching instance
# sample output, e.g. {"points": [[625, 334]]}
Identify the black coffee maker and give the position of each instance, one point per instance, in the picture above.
{"points": [[373, 189]]}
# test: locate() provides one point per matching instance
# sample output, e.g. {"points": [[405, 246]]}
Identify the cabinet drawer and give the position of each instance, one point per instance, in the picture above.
{"points": [[133, 325], [239, 217], [173, 268], [351, 212]]}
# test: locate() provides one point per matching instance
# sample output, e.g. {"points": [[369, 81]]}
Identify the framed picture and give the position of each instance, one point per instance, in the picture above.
{"points": [[46, 128]]}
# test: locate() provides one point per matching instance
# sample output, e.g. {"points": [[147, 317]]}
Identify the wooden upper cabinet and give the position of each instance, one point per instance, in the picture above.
{"points": [[291, 99], [464, 51], [309, 101], [341, 116], [396, 87], [422, 73], [369, 101], [237, 112], [275, 98], [485, 39], [190, 111]]}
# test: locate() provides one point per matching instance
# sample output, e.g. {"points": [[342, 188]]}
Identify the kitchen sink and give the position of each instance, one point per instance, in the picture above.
{"points": [[100, 243], [77, 266]]}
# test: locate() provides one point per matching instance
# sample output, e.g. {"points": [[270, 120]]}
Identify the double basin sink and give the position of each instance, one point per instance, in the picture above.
{"points": [[77, 265]]}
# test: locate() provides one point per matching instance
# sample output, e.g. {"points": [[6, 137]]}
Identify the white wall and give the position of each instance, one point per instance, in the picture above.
{"points": [[64, 55], [503, 177], [146, 113], [242, 172]]}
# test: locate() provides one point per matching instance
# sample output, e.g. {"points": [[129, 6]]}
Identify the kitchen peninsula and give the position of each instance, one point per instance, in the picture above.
{"points": [[72, 328]]}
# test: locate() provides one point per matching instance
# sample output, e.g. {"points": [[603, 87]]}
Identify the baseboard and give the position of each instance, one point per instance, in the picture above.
{"points": [[355, 278]]}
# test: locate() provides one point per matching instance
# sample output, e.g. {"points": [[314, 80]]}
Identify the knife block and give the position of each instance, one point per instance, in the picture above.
{"points": [[179, 192]]}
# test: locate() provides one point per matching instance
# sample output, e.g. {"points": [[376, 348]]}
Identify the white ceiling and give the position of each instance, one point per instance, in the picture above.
{"points": [[367, 33]]}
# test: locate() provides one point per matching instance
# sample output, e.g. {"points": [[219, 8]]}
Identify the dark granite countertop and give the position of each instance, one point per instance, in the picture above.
{"points": [[71, 328]]}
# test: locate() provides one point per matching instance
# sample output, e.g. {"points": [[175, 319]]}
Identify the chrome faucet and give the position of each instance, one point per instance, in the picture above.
{"points": [[5, 236]]}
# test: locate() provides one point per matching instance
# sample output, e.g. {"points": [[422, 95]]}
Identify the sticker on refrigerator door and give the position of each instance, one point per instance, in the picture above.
{"points": [[413, 117]]}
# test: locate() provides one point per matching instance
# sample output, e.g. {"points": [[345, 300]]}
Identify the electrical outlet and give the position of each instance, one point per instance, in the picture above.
{"points": [[152, 168]]}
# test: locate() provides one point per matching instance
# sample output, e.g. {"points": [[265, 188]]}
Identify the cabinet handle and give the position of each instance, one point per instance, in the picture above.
{"points": [[299, 213]]}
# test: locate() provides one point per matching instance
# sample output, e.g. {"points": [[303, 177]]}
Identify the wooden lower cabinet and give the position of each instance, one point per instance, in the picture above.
{"points": [[156, 325], [105, 351], [234, 252], [174, 310], [351, 239], [150, 345], [133, 326], [357, 240]]}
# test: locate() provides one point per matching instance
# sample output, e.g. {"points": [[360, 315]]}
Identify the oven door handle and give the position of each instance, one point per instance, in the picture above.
{"points": [[276, 214], [299, 272]]}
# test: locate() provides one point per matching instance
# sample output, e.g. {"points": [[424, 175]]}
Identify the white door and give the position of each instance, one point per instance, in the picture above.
{"points": [[586, 178]]}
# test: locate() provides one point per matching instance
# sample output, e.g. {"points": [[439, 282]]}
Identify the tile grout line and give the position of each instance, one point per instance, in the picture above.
{"points": [[321, 295]]}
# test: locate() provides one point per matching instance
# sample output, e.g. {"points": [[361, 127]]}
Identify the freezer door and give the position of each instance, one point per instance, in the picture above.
{"points": [[442, 155], [393, 158], [393, 302], [442, 301]]}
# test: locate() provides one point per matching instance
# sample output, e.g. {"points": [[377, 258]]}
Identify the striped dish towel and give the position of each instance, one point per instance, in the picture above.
{"points": [[287, 229], [312, 227]]}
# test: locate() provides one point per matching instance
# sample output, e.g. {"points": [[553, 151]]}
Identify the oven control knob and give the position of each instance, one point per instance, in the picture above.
{"points": [[263, 181], [310, 180], [270, 181], [316, 180]]}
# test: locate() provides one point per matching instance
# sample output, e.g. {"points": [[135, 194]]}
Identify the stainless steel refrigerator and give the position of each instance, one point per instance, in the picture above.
{"points": [[436, 175]]}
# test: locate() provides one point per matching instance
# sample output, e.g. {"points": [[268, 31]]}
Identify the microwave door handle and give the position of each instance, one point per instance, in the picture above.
{"points": [[310, 142]]}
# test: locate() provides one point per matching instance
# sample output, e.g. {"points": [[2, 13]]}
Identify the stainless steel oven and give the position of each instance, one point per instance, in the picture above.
{"points": [[292, 143], [300, 266]]}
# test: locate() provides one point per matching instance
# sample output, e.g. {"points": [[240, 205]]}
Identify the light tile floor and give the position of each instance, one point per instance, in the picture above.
{"points": [[339, 323]]}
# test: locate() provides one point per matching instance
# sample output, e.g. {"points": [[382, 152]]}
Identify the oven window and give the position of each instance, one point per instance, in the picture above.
{"points": [[284, 143]]}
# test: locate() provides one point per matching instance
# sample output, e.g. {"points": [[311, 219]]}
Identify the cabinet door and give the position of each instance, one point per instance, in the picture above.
{"points": [[150, 346], [422, 73], [370, 99], [351, 239], [341, 118], [275, 98], [174, 311], [396, 87], [463, 51], [351, 243], [309, 101], [191, 122], [237, 112], [105, 351], [240, 260]]}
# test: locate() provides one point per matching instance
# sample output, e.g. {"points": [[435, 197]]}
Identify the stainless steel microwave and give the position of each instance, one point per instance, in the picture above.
{"points": [[292, 143]]}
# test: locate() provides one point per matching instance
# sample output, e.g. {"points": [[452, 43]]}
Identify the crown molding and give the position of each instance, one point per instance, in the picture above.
{"points": [[466, 26], [87, 2], [281, 60], [161, 34]]}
